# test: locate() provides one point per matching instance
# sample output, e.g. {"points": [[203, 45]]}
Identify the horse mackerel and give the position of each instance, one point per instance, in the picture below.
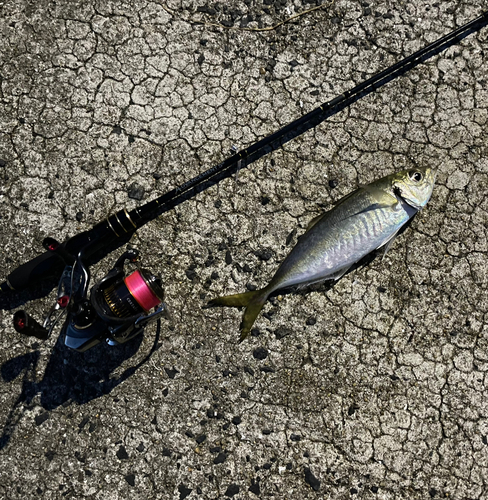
{"points": [[360, 223]]}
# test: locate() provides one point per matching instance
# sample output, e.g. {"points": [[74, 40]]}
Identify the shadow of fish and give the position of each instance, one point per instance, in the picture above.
{"points": [[361, 222]]}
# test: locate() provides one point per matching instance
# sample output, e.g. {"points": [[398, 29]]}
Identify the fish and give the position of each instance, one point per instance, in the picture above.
{"points": [[360, 223]]}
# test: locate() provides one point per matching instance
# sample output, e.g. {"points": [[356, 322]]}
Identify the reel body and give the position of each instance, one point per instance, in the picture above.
{"points": [[118, 309]]}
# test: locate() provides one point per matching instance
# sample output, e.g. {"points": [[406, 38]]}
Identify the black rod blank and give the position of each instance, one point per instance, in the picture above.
{"points": [[167, 201]]}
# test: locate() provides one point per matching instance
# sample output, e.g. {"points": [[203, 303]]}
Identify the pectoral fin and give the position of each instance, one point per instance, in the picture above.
{"points": [[344, 198], [366, 198], [380, 198], [376, 195], [387, 243]]}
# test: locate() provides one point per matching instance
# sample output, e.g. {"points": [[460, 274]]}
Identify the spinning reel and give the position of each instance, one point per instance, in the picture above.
{"points": [[118, 308]]}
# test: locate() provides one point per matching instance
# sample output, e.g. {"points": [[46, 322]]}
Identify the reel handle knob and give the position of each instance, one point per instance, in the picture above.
{"points": [[27, 325]]}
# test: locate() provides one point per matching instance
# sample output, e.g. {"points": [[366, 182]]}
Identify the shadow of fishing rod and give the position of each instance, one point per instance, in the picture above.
{"points": [[116, 230]]}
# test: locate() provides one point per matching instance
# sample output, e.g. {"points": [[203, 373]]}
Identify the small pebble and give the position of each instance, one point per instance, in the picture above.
{"points": [[131, 479], [260, 353], [254, 488], [220, 458], [311, 479], [171, 372], [255, 332], [41, 418], [135, 192], [228, 257], [184, 491], [122, 453], [232, 489]]}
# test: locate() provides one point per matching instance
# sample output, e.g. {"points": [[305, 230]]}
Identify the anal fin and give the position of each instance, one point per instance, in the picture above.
{"points": [[336, 275]]}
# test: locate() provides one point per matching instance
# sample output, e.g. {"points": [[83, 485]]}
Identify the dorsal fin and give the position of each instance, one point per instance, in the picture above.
{"points": [[313, 222], [344, 198]]}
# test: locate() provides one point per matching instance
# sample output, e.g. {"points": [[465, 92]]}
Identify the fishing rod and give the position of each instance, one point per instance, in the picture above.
{"points": [[109, 309]]}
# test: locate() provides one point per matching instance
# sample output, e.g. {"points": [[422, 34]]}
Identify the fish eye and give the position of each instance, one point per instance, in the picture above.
{"points": [[415, 176]]}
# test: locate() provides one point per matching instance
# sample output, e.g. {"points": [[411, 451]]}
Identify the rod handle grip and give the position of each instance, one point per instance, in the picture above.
{"points": [[31, 272]]}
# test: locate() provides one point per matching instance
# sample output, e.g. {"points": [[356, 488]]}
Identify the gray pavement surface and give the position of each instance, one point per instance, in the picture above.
{"points": [[374, 389]]}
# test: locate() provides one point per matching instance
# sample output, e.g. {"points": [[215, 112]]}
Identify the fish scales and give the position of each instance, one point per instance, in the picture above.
{"points": [[327, 248], [364, 221]]}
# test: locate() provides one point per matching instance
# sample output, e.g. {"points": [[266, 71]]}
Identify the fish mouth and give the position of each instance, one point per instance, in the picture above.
{"points": [[399, 195]]}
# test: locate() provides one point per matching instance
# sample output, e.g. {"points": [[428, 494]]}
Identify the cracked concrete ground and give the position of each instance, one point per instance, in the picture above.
{"points": [[375, 389]]}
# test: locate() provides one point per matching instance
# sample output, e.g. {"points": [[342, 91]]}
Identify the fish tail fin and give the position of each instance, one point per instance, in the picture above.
{"points": [[252, 301]]}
